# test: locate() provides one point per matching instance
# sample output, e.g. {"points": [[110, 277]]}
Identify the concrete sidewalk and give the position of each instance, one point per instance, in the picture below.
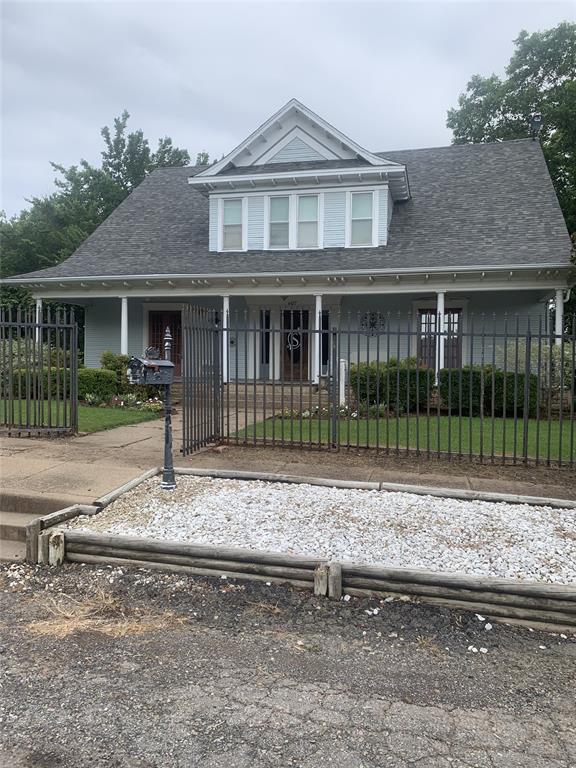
{"points": [[84, 468]]}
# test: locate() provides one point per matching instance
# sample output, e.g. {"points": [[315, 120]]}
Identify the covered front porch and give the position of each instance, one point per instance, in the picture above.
{"points": [[279, 327], [289, 338]]}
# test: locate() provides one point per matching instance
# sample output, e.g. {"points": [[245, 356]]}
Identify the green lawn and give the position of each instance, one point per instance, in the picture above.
{"points": [[90, 419], [444, 433]]}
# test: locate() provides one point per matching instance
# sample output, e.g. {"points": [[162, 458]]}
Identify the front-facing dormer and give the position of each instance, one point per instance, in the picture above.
{"points": [[297, 183]]}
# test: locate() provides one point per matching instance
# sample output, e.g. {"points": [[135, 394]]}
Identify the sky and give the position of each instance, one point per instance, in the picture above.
{"points": [[208, 73]]}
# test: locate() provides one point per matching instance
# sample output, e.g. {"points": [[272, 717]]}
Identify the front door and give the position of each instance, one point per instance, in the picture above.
{"points": [[158, 321], [295, 345]]}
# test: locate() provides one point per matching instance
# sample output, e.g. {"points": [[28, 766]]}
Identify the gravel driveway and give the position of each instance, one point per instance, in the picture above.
{"points": [[395, 529], [139, 669]]}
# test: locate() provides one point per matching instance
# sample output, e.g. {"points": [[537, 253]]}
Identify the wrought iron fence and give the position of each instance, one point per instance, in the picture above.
{"points": [[38, 372], [492, 389], [202, 351]]}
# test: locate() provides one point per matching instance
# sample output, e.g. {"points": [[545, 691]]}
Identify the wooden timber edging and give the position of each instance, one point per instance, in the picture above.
{"points": [[535, 602]]}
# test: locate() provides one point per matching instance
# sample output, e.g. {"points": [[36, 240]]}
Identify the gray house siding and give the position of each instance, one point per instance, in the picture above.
{"points": [[256, 223], [296, 151], [334, 219]]}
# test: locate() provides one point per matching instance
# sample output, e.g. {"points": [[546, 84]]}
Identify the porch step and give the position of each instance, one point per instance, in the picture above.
{"points": [[13, 525], [12, 551]]}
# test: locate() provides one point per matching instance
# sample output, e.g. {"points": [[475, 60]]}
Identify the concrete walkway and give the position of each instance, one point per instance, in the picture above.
{"points": [[83, 468]]}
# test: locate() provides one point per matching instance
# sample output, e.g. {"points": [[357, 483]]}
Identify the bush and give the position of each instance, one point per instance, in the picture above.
{"points": [[394, 386], [110, 361], [483, 389], [96, 381], [119, 364], [41, 383]]}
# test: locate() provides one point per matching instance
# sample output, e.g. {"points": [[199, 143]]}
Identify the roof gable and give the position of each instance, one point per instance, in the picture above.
{"points": [[294, 121]]}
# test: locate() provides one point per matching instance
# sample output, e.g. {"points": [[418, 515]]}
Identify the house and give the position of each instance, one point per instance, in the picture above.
{"points": [[299, 227]]}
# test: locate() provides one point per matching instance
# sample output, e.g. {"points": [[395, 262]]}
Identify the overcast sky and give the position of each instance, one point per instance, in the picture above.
{"points": [[207, 74]]}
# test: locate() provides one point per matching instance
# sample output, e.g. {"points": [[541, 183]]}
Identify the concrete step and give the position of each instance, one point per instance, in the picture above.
{"points": [[13, 524], [11, 551]]}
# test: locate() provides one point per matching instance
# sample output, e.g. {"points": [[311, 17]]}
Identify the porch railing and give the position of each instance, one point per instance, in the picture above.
{"points": [[38, 372]]}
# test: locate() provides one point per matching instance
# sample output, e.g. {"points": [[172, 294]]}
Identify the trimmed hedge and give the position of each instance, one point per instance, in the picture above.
{"points": [[97, 381], [399, 386], [45, 382], [493, 388]]}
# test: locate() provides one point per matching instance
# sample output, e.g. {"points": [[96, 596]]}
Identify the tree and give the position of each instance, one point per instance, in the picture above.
{"points": [[202, 158], [55, 225], [541, 77]]}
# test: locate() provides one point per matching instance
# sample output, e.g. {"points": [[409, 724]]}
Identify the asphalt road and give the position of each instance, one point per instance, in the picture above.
{"points": [[141, 669]]}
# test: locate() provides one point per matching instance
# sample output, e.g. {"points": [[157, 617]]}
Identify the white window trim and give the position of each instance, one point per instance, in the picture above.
{"points": [[221, 224], [293, 221], [348, 222]]}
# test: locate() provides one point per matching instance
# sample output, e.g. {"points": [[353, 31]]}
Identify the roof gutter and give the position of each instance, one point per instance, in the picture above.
{"points": [[302, 273]]}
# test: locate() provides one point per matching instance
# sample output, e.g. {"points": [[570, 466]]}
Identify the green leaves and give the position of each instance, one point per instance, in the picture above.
{"points": [[541, 77], [54, 226]]}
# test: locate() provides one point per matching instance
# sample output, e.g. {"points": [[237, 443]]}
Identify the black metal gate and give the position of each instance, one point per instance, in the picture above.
{"points": [[38, 372], [201, 378]]}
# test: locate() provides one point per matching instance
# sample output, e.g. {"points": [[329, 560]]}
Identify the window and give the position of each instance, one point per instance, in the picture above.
{"points": [[361, 217], [279, 235], [307, 221], [232, 225]]}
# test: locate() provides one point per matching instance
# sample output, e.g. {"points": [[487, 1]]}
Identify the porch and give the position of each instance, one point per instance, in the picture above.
{"points": [[273, 338]]}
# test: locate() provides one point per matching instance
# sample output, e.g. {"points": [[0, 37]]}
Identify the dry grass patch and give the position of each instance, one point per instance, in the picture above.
{"points": [[101, 612]]}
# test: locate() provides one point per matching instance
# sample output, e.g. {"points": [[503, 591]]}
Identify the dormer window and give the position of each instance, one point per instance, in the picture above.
{"points": [[232, 225], [361, 218], [307, 221], [280, 222]]}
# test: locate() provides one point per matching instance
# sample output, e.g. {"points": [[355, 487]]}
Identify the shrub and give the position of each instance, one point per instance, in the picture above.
{"points": [[41, 383], [91, 399], [119, 364], [483, 389], [393, 386], [110, 361], [96, 381]]}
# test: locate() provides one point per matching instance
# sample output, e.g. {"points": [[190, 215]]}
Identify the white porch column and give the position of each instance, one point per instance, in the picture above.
{"points": [[559, 316], [316, 342], [440, 332], [225, 339], [124, 325], [37, 334]]}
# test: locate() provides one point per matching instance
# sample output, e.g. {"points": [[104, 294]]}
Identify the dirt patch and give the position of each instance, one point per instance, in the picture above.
{"points": [[345, 464], [102, 612]]}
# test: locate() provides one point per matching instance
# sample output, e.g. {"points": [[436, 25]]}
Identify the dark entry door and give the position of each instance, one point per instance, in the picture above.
{"points": [[158, 321], [295, 345]]}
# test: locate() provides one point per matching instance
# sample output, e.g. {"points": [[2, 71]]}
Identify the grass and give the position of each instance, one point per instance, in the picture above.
{"points": [[90, 419], [100, 612], [447, 434]]}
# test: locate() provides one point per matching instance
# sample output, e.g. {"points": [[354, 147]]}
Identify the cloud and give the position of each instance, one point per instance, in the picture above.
{"points": [[208, 73]]}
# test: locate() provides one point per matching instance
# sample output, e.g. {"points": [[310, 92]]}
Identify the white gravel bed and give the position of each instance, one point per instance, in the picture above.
{"points": [[393, 529]]}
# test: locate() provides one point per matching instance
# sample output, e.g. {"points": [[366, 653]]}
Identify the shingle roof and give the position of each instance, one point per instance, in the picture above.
{"points": [[472, 205]]}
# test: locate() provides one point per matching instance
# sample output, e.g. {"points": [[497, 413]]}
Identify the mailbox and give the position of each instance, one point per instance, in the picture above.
{"points": [[146, 370]]}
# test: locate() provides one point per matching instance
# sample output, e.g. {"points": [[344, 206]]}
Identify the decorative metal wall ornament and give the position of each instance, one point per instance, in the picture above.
{"points": [[293, 341], [373, 323]]}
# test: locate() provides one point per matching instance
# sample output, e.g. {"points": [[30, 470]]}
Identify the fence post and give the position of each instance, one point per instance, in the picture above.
{"points": [[333, 389], [526, 411]]}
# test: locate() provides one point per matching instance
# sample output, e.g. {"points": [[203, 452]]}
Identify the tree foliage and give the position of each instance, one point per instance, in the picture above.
{"points": [[541, 77], [55, 225]]}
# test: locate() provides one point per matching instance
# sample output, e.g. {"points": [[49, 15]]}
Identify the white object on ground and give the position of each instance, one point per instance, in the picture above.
{"points": [[399, 530]]}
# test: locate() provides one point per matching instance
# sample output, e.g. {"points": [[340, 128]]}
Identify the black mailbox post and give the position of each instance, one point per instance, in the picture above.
{"points": [[150, 369]]}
